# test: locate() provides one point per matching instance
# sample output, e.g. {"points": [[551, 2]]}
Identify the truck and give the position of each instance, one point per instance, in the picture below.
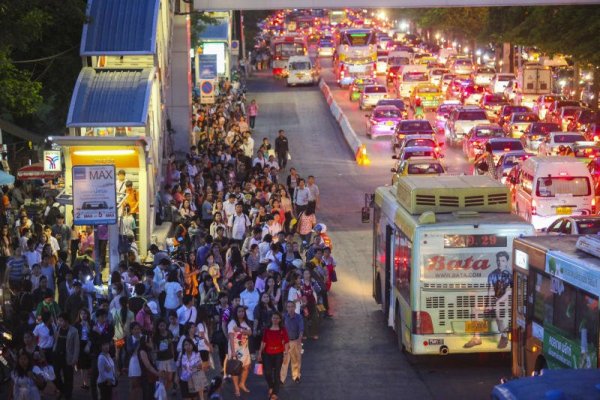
{"points": [[533, 80]]}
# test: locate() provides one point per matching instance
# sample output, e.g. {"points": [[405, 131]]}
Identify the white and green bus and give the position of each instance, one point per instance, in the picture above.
{"points": [[441, 262]]}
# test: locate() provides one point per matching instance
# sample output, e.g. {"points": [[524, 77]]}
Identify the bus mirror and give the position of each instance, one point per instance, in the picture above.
{"points": [[394, 170], [394, 157], [365, 215]]}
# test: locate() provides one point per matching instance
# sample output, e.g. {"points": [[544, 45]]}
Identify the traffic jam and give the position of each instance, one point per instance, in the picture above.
{"points": [[451, 112]]}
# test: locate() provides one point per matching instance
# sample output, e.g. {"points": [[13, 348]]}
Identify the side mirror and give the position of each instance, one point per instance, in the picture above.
{"points": [[368, 115], [394, 170], [394, 157], [544, 229]]}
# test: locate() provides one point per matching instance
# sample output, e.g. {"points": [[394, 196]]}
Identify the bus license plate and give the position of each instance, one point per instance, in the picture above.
{"points": [[435, 342], [563, 210], [390, 123], [476, 326]]}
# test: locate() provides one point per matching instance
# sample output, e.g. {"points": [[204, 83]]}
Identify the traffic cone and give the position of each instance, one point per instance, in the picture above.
{"points": [[361, 156]]}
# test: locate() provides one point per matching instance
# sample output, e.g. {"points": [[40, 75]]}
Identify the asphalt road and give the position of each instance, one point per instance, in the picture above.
{"points": [[356, 356]]}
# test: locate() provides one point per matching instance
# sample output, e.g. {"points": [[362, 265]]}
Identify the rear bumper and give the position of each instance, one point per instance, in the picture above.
{"points": [[382, 130], [455, 343]]}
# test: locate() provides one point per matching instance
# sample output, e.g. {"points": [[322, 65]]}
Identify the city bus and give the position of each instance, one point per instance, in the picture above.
{"points": [[355, 55], [555, 313], [337, 17], [283, 47], [441, 252]]}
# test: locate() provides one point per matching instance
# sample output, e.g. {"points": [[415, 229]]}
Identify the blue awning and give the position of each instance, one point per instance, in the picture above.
{"points": [[120, 27], [218, 31], [110, 98]]}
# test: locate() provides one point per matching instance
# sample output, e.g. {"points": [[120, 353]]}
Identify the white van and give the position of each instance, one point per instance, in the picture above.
{"points": [[501, 82], [551, 187], [301, 71]]}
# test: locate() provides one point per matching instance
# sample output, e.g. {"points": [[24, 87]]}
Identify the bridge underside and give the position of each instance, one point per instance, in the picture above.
{"points": [[203, 5]]}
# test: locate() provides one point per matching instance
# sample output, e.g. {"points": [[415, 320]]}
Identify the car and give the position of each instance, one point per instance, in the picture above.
{"points": [[398, 103], [582, 118], [552, 113], [94, 205], [575, 225], [552, 141], [500, 82], [443, 112], [592, 130], [418, 166], [357, 86], [326, 48], [370, 95], [511, 92], [445, 81], [382, 121], [507, 162], [518, 123], [586, 151], [506, 111], [535, 133], [484, 76], [474, 141], [382, 63], [471, 94], [436, 74], [500, 146], [564, 116], [462, 66], [411, 127], [422, 140], [461, 120], [429, 95], [416, 151], [543, 103], [492, 104], [455, 87]]}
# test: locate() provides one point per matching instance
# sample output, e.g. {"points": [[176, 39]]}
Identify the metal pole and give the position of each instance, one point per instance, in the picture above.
{"points": [[242, 36], [98, 265]]}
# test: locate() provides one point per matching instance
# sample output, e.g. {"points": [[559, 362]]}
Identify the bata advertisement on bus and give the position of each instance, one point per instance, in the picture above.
{"points": [[467, 258]]}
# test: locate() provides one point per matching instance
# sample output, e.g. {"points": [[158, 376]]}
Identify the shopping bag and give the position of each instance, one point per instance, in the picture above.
{"points": [[258, 369]]}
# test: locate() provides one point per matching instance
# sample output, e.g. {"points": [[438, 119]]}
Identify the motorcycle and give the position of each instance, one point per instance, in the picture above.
{"points": [[7, 355]]}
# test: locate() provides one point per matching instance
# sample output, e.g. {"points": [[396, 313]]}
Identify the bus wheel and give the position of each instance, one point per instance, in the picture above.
{"points": [[398, 327], [378, 290], [540, 364]]}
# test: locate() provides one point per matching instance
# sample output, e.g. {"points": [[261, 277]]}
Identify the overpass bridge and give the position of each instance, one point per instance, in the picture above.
{"points": [[217, 5]]}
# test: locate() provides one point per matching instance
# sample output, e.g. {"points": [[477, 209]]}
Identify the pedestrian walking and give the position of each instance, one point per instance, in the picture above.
{"points": [[239, 333], [282, 149], [66, 353], [309, 303], [275, 343], [23, 381], [294, 325], [252, 113], [107, 373]]}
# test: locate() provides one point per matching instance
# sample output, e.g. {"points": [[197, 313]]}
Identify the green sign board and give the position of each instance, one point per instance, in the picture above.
{"points": [[561, 352]]}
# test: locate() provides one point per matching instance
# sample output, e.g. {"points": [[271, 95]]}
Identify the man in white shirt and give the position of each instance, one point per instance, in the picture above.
{"points": [[301, 196], [238, 224], [187, 312], [248, 145], [229, 205], [275, 258], [259, 160], [249, 298], [314, 191], [120, 182]]}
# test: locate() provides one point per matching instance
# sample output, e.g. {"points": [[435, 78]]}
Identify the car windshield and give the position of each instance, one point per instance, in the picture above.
{"points": [[399, 104], [514, 109], [425, 168], [386, 114], [588, 226], [420, 142], [544, 128], [448, 77], [416, 126], [472, 116], [587, 151], [375, 89], [489, 132], [414, 77], [570, 185], [437, 72], [508, 145], [428, 89], [511, 161], [418, 153], [299, 66], [486, 71], [567, 103], [525, 118], [398, 61], [568, 138], [569, 112], [493, 99], [463, 62]]}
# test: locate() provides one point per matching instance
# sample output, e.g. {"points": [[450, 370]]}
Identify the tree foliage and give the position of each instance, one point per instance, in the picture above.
{"points": [[39, 60]]}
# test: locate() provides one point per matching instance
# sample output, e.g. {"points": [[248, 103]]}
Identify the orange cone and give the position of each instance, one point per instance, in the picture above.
{"points": [[361, 156]]}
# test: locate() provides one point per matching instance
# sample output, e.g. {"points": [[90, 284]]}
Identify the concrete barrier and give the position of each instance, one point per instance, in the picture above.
{"points": [[354, 142]]}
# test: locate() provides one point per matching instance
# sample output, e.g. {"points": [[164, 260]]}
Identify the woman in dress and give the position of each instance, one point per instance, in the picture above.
{"points": [[23, 381], [84, 327], [239, 331], [165, 352]]}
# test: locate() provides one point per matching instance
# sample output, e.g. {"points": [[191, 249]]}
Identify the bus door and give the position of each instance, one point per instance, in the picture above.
{"points": [[389, 261], [519, 331]]}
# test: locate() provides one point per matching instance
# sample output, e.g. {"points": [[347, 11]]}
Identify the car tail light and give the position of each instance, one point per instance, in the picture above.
{"points": [[596, 138], [438, 149], [533, 207], [422, 323]]}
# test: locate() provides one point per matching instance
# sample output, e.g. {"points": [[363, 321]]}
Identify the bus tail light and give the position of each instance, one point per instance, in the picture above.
{"points": [[533, 207], [422, 323]]}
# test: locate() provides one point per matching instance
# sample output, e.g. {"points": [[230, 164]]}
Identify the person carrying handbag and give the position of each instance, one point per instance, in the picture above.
{"points": [[274, 345]]}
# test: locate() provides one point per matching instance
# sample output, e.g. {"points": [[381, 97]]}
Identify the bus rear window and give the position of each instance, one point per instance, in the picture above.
{"points": [[566, 185]]}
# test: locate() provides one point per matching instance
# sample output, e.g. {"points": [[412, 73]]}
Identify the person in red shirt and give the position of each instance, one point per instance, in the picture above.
{"points": [[275, 343]]}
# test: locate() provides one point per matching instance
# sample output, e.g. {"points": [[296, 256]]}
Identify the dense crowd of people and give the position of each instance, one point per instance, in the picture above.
{"points": [[241, 282]]}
